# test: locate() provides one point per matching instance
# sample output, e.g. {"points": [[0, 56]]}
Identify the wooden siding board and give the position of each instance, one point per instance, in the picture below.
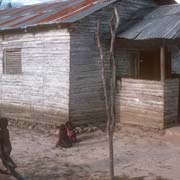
{"points": [[85, 105], [137, 107], [156, 110], [171, 90], [41, 93]]}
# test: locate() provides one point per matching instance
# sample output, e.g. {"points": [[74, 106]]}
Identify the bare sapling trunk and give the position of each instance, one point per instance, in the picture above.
{"points": [[102, 64], [109, 101]]}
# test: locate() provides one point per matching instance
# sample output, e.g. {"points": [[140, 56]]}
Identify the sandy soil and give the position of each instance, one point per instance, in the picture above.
{"points": [[136, 155]]}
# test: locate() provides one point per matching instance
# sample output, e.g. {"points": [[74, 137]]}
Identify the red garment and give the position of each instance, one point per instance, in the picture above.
{"points": [[72, 135]]}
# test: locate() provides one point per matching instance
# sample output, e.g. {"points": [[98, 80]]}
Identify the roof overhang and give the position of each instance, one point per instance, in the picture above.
{"points": [[51, 13], [165, 2], [160, 23]]}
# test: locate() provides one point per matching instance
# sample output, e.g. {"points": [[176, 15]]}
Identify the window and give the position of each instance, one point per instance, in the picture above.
{"points": [[12, 61], [127, 64]]}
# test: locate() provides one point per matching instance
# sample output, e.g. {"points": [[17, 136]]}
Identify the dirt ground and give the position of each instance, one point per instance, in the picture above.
{"points": [[137, 154]]}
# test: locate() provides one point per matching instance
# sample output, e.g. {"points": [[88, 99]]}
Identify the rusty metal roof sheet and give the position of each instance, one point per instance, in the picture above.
{"points": [[49, 13], [161, 23]]}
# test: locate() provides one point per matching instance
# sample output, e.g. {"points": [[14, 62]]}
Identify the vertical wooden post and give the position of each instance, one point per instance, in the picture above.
{"points": [[162, 64]]}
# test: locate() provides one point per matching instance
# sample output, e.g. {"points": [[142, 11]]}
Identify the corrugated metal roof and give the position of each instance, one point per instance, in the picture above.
{"points": [[161, 23], [49, 13]]}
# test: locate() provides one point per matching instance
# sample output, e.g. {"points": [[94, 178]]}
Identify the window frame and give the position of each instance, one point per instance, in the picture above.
{"points": [[5, 60]]}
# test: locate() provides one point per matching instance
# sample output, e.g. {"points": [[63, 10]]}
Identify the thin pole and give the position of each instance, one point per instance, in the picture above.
{"points": [[162, 60]]}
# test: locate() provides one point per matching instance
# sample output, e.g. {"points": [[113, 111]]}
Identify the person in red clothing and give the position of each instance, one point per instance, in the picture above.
{"points": [[70, 132], [63, 139]]}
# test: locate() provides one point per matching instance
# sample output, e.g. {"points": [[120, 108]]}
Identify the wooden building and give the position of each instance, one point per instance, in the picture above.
{"points": [[50, 72]]}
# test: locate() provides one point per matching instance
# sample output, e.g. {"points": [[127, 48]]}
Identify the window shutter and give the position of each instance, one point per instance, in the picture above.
{"points": [[12, 61]]}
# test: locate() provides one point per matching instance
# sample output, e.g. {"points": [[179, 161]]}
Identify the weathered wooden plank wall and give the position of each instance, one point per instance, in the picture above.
{"points": [[86, 92], [141, 103], [175, 54], [151, 104], [41, 92], [171, 95]]}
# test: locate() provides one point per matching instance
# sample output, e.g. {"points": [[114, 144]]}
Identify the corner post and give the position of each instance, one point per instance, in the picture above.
{"points": [[162, 63]]}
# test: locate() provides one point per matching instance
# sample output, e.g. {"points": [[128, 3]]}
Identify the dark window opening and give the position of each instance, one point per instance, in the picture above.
{"points": [[149, 67], [12, 61]]}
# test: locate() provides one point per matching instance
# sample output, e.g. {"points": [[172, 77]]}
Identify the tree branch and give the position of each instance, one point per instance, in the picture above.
{"points": [[102, 64]]}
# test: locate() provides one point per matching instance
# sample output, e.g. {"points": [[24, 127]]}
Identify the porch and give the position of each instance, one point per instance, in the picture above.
{"points": [[148, 93], [148, 83]]}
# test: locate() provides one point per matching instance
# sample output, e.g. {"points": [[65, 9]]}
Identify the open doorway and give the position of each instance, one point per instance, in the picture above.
{"points": [[146, 65]]}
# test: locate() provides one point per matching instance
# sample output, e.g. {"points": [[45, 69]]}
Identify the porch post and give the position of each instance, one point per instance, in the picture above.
{"points": [[162, 63]]}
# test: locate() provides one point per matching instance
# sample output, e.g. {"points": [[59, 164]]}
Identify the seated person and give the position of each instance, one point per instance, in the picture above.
{"points": [[70, 132], [63, 139]]}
